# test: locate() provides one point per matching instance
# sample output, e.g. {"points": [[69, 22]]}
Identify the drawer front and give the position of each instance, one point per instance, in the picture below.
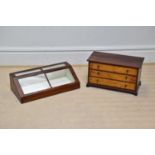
{"points": [[113, 76], [115, 69], [112, 83]]}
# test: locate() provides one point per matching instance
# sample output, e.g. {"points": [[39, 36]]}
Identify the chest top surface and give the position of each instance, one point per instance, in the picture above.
{"points": [[116, 59]]}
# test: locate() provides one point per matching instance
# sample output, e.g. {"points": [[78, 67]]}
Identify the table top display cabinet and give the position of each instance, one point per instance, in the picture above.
{"points": [[32, 84], [115, 72]]}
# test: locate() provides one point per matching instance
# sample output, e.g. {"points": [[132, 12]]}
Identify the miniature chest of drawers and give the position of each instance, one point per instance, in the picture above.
{"points": [[115, 72]]}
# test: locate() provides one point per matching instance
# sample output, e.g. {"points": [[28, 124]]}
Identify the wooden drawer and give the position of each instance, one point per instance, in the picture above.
{"points": [[112, 83], [115, 69], [114, 76]]}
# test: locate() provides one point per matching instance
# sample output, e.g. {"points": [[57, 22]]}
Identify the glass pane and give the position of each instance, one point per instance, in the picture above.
{"points": [[60, 77], [33, 83], [28, 72], [55, 66]]}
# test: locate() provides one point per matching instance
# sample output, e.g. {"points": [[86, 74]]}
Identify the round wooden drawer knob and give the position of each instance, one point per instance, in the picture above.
{"points": [[97, 80], [98, 73], [98, 66]]}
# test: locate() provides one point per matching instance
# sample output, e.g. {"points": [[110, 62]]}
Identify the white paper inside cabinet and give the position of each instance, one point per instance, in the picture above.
{"points": [[60, 77], [33, 83]]}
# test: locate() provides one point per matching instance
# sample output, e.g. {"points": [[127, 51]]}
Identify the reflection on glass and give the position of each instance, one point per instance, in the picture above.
{"points": [[33, 83], [60, 77], [55, 66], [28, 72]]}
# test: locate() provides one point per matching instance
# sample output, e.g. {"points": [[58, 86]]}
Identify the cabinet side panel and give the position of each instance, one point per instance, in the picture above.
{"points": [[14, 88]]}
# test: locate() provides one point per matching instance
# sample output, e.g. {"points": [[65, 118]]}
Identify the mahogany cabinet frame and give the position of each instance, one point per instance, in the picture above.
{"points": [[17, 89]]}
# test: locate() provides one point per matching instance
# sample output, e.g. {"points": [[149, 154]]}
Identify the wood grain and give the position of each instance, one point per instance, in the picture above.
{"points": [[112, 83], [114, 76], [116, 59], [114, 69]]}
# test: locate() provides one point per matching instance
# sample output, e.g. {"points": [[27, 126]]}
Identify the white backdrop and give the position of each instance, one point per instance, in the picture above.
{"points": [[43, 45]]}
